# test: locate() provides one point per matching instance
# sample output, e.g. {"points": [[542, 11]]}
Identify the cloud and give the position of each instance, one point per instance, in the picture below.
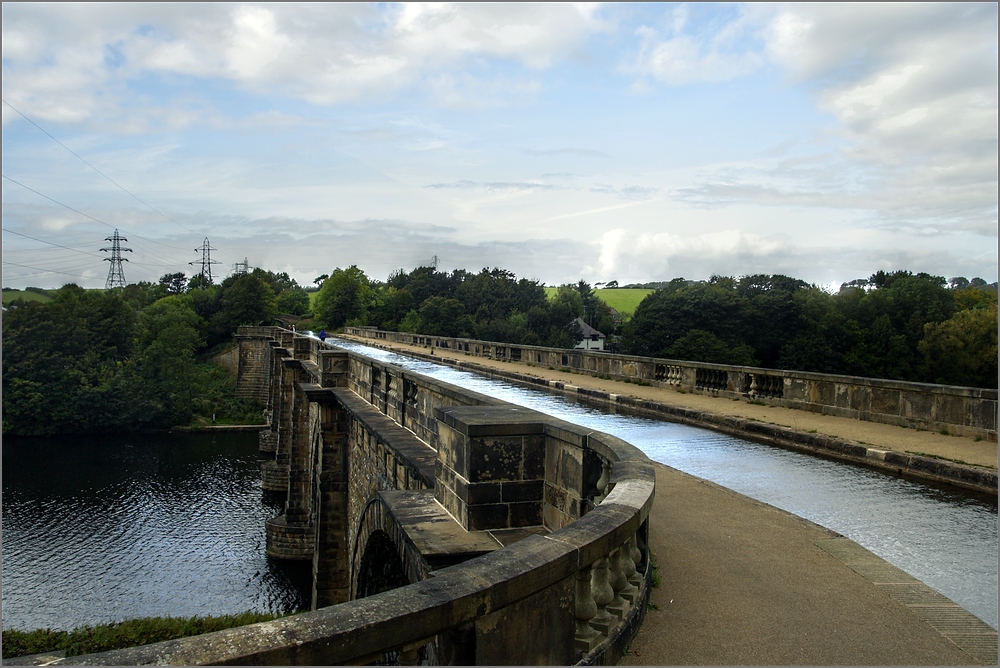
{"points": [[684, 51], [497, 186], [71, 64], [626, 192], [911, 91], [568, 151]]}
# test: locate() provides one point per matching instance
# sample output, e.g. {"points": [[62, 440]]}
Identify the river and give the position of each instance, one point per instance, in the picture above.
{"points": [[97, 529]]}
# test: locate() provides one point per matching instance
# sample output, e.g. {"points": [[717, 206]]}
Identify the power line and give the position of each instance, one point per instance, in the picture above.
{"points": [[49, 242], [153, 241], [123, 188], [47, 271], [56, 201]]}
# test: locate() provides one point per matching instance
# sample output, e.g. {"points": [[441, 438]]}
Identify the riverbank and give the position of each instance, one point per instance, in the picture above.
{"points": [[205, 428], [956, 460]]}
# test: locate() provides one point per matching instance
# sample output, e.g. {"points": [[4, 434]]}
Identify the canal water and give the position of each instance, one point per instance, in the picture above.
{"points": [[940, 535], [99, 529]]}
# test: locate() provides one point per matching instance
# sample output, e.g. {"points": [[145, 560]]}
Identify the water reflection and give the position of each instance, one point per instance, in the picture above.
{"points": [[940, 535], [99, 529]]}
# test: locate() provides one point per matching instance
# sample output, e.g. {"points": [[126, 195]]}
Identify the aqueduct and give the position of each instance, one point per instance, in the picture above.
{"points": [[443, 526]]}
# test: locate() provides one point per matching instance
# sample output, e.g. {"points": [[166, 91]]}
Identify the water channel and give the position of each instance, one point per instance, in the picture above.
{"points": [[99, 529]]}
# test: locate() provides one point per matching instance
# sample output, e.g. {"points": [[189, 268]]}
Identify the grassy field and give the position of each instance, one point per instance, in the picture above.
{"points": [[27, 295], [623, 300]]}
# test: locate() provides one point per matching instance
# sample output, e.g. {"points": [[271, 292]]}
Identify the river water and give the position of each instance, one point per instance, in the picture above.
{"points": [[99, 529]]}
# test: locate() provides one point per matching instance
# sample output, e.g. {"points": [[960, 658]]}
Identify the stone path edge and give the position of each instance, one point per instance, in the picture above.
{"points": [[975, 478]]}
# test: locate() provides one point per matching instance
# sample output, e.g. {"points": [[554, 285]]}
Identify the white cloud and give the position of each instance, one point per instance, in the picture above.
{"points": [[62, 64], [713, 54]]}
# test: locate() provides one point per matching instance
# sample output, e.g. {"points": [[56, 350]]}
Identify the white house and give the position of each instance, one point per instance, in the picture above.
{"points": [[592, 339]]}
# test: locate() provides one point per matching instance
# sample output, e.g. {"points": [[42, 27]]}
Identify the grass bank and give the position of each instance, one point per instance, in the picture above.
{"points": [[129, 633]]}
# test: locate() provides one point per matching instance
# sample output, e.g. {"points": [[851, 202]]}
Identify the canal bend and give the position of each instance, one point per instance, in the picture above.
{"points": [[943, 536]]}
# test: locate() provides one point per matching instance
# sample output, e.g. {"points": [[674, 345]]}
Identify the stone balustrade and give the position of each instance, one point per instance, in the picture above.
{"points": [[964, 411]]}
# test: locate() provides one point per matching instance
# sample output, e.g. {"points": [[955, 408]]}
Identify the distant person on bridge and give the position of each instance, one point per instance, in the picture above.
{"points": [[322, 335]]}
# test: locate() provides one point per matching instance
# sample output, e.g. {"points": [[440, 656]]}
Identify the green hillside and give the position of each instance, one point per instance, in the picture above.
{"points": [[28, 295], [623, 300]]}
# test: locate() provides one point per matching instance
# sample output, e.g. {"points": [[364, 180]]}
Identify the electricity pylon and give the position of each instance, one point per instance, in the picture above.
{"points": [[240, 268], [116, 277], [206, 260]]}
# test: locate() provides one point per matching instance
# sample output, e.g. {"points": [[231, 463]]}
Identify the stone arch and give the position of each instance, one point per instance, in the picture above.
{"points": [[379, 546], [380, 568]]}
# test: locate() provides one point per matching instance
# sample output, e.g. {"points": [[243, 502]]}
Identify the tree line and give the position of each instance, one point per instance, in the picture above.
{"points": [[898, 325], [131, 358]]}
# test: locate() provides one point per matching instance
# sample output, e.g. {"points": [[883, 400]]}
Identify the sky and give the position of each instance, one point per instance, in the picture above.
{"points": [[563, 142]]}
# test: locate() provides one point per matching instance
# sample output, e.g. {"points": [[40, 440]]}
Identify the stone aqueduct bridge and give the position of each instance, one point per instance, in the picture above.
{"points": [[443, 525]]}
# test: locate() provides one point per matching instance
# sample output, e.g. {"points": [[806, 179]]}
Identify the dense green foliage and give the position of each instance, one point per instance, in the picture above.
{"points": [[492, 305], [127, 359], [899, 325], [129, 633]]}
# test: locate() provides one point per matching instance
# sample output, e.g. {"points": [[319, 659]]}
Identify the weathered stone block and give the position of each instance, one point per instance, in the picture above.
{"points": [[525, 514], [533, 632], [488, 516], [885, 400], [949, 409], [522, 490], [497, 458]]}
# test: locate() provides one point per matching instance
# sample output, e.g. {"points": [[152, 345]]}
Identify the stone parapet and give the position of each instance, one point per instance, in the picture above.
{"points": [[964, 411]]}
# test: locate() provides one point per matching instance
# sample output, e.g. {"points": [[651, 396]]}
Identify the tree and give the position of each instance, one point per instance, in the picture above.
{"points": [[174, 283], [345, 297], [245, 299], [963, 349], [444, 317], [294, 301]]}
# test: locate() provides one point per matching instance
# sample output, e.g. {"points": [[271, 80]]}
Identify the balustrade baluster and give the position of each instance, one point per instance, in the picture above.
{"points": [[636, 553], [603, 621], [616, 578], [630, 591], [409, 656], [587, 638], [602, 482]]}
